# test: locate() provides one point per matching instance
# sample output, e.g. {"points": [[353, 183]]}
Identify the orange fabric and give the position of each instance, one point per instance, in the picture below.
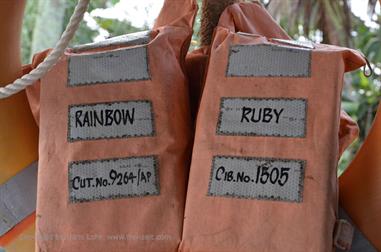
{"points": [[240, 18], [251, 18], [231, 224], [33, 92], [177, 13], [144, 218], [348, 132], [25, 242], [195, 64], [17, 129], [18, 132], [239, 21], [10, 64], [11, 236], [360, 186]]}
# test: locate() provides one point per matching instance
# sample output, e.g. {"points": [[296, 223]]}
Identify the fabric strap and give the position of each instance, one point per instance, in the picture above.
{"points": [[18, 198], [177, 13], [359, 243]]}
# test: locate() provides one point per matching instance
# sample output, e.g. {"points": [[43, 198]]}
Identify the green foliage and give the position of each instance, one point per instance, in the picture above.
{"points": [[195, 43], [84, 34], [27, 29], [45, 36], [116, 27]]}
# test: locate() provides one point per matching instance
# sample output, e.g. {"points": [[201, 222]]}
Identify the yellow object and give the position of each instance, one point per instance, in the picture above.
{"points": [[18, 131]]}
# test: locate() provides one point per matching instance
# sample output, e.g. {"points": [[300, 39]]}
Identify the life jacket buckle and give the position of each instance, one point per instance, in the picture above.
{"points": [[343, 235]]}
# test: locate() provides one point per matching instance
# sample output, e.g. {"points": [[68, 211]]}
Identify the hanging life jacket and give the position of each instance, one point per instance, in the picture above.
{"points": [[263, 174], [115, 133], [252, 18]]}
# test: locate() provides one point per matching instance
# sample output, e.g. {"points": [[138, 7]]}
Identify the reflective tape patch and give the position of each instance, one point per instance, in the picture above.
{"points": [[110, 120], [18, 198], [132, 39], [266, 60], [305, 44], [113, 179], [279, 117], [257, 178], [129, 64]]}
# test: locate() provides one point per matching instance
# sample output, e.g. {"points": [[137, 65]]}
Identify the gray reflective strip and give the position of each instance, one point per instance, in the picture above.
{"points": [[110, 120], [113, 179], [280, 117], [120, 65], [257, 178], [306, 44], [266, 60], [360, 243], [132, 39], [18, 198]]}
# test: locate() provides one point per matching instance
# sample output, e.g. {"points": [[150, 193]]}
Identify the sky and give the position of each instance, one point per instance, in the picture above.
{"points": [[142, 13], [139, 13], [359, 8]]}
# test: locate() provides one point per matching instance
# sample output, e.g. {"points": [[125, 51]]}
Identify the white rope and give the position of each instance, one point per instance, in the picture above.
{"points": [[28, 79]]}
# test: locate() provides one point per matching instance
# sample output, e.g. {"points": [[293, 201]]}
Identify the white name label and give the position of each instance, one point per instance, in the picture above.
{"points": [[266, 60], [281, 117], [110, 120], [113, 179], [257, 178], [129, 64]]}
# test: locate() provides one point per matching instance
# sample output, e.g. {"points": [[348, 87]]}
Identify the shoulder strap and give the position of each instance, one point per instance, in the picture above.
{"points": [[177, 13], [251, 18]]}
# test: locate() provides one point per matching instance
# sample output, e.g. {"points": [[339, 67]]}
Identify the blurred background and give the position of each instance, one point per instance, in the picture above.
{"points": [[350, 23]]}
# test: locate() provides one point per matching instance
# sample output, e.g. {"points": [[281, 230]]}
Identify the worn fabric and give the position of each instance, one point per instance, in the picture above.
{"points": [[251, 18], [268, 223], [114, 148]]}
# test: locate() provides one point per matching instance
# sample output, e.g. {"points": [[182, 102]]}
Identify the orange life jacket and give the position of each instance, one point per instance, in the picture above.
{"points": [[252, 18], [348, 130], [263, 174], [115, 132]]}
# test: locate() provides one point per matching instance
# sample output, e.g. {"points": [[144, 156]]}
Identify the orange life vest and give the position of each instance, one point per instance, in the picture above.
{"points": [[115, 132], [263, 172]]}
